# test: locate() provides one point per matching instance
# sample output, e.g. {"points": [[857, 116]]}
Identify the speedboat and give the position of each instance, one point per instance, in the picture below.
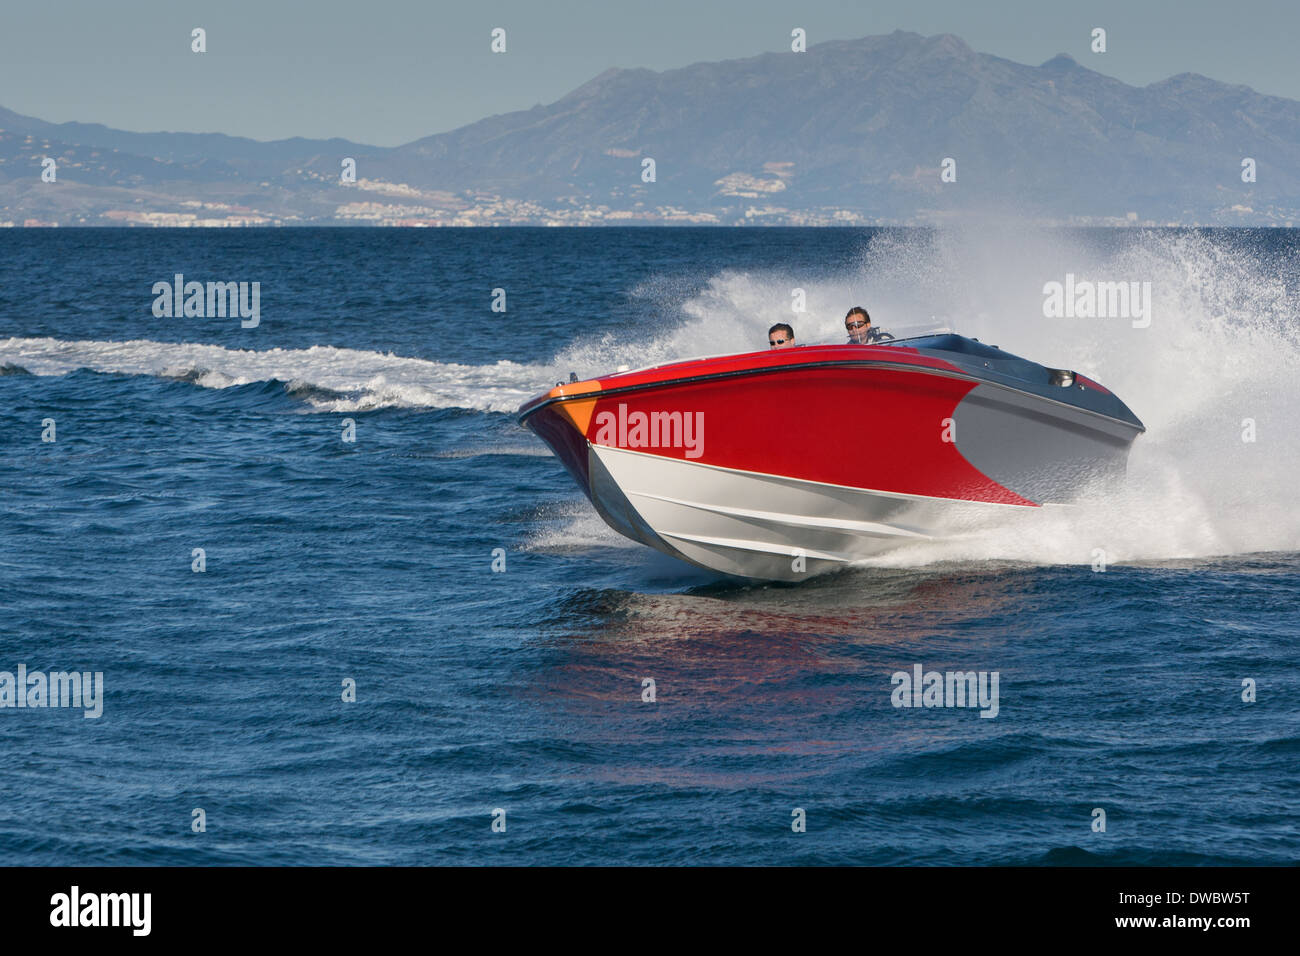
{"points": [[786, 463]]}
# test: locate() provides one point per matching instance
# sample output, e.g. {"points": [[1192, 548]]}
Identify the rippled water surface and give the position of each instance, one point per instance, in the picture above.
{"points": [[372, 561]]}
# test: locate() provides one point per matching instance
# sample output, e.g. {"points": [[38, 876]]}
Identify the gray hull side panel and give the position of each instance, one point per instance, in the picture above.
{"points": [[1048, 453]]}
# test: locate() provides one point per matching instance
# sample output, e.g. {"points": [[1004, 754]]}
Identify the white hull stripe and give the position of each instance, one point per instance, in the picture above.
{"points": [[872, 528]]}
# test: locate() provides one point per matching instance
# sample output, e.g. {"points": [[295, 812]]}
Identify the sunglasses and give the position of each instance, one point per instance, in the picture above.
{"points": [[777, 341], [855, 325]]}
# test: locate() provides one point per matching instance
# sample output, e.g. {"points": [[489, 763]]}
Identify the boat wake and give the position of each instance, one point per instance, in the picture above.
{"points": [[327, 379]]}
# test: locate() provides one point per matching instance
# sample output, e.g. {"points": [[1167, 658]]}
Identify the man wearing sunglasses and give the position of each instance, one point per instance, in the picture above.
{"points": [[858, 324], [780, 336]]}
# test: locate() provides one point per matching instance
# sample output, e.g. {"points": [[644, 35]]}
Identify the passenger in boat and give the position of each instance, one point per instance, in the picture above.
{"points": [[780, 336], [858, 324]]}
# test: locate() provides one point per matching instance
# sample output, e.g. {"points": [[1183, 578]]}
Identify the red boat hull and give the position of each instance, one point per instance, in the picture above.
{"points": [[778, 464]]}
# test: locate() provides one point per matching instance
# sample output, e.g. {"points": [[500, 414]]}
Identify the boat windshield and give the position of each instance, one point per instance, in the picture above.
{"points": [[915, 331]]}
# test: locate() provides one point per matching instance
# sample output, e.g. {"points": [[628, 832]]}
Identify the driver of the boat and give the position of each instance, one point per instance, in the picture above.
{"points": [[858, 324], [780, 336]]}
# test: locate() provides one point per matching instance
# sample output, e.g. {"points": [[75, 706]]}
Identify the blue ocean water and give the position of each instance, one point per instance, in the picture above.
{"points": [[521, 690]]}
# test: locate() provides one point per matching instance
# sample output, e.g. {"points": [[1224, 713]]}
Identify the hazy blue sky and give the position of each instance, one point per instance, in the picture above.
{"points": [[390, 71]]}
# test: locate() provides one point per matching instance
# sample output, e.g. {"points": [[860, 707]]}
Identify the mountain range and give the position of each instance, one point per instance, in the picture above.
{"points": [[854, 131]]}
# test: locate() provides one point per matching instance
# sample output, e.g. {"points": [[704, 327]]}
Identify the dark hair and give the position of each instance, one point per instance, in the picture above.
{"points": [[782, 327], [858, 310]]}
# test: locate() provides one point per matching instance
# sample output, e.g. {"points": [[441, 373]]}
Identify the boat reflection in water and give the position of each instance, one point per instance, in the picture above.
{"points": [[766, 672]]}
